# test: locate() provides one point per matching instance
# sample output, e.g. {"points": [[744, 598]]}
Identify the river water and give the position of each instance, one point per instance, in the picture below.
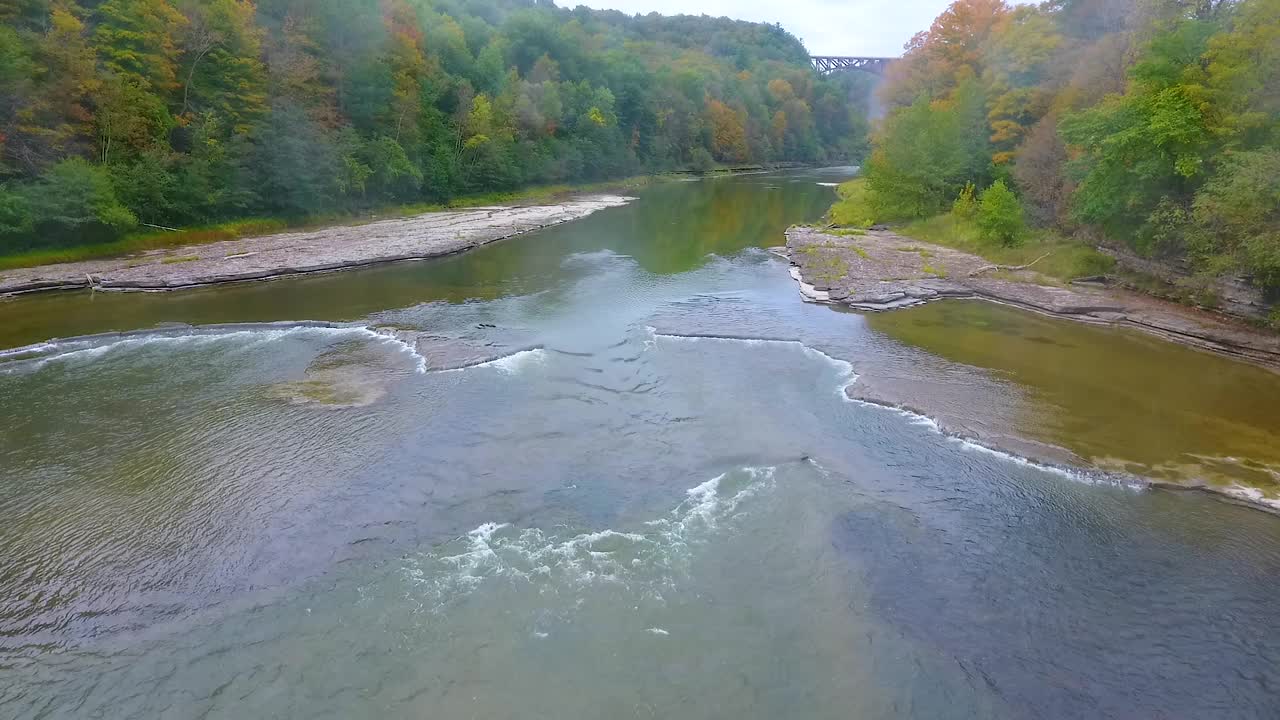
{"points": [[607, 470]]}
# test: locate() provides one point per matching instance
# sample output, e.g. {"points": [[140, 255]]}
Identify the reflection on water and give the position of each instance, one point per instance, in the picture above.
{"points": [[1119, 398], [677, 227], [592, 472]]}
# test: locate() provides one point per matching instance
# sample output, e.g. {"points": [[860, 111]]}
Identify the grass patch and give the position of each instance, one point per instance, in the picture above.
{"points": [[936, 272], [852, 209], [175, 259], [254, 227], [1196, 291], [861, 253], [143, 242], [1068, 259], [846, 232], [826, 269]]}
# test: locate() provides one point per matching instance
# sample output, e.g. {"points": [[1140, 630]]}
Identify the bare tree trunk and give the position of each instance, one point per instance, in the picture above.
{"points": [[186, 89]]}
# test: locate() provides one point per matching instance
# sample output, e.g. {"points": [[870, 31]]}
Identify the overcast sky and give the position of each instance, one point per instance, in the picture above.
{"points": [[827, 27]]}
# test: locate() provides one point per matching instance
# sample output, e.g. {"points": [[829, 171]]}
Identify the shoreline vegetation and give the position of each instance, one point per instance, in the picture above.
{"points": [[1144, 133], [163, 254], [1055, 259], [173, 240], [118, 117], [416, 237], [1054, 255], [880, 269]]}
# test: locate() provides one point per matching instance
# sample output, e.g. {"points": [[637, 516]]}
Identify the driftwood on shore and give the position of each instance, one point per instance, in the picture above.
{"points": [[1009, 268]]}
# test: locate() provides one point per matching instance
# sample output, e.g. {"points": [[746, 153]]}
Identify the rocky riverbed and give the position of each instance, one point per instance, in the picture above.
{"points": [[334, 248], [882, 270]]}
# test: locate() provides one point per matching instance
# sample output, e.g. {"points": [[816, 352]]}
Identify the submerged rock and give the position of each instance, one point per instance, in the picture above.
{"points": [[351, 375]]}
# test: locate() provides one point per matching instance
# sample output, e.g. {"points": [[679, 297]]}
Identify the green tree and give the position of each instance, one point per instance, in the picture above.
{"points": [[999, 215], [1242, 75], [55, 119], [138, 40], [298, 162], [966, 204], [1151, 143], [15, 84], [702, 160], [222, 69], [926, 153], [15, 217], [1237, 215], [206, 110], [75, 202]]}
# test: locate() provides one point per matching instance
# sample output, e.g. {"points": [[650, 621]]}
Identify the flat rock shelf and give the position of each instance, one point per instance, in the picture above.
{"points": [[329, 249], [882, 270]]}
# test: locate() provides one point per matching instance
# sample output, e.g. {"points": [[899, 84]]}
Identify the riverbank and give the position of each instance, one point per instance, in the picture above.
{"points": [[422, 236], [880, 270]]}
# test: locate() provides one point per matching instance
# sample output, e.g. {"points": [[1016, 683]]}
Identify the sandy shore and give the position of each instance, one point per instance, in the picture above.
{"points": [[334, 248], [882, 270]]}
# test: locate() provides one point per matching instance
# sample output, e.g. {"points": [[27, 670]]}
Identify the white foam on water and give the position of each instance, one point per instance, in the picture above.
{"points": [[651, 338], [657, 553], [60, 353], [844, 368], [972, 446], [912, 417], [656, 631], [507, 364], [42, 354], [829, 184], [1077, 475], [36, 349], [1251, 495], [386, 336], [850, 377]]}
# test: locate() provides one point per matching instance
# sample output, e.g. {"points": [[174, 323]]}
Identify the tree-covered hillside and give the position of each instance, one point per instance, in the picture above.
{"points": [[188, 112], [1152, 124]]}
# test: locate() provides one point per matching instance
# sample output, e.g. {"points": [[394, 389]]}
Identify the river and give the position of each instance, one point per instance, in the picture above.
{"points": [[610, 470]]}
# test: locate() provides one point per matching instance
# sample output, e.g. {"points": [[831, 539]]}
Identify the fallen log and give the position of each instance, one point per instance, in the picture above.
{"points": [[1010, 268]]}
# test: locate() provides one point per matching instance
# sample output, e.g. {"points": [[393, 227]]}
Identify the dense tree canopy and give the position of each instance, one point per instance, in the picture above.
{"points": [[1154, 123], [182, 112]]}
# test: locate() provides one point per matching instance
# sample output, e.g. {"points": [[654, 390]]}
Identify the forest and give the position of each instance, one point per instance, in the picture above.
{"points": [[121, 114], [1152, 126]]}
